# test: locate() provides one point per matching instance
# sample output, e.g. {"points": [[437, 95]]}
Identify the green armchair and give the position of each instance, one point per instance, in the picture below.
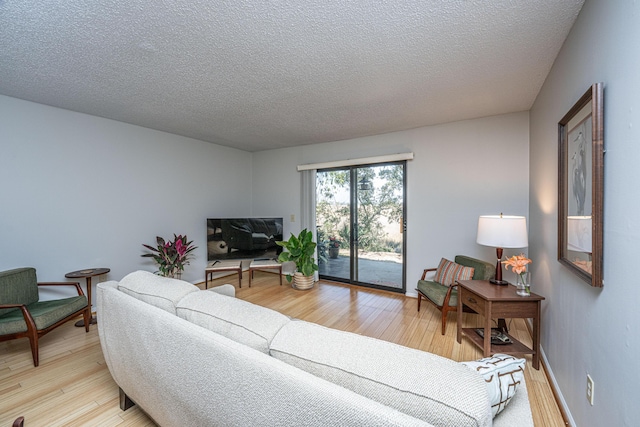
{"points": [[23, 315], [444, 297]]}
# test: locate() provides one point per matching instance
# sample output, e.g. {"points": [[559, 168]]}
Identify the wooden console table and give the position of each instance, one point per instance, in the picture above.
{"points": [[495, 301], [218, 266]]}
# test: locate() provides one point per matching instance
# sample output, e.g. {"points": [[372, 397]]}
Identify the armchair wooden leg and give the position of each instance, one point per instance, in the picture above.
{"points": [[419, 300], [444, 321], [32, 334], [33, 341]]}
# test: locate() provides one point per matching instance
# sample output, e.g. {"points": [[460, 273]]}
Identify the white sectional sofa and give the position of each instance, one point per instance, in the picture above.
{"points": [[204, 358]]}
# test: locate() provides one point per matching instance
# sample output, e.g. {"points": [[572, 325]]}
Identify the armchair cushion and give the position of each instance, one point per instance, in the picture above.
{"points": [[435, 292], [44, 313], [18, 286], [482, 270], [449, 272]]}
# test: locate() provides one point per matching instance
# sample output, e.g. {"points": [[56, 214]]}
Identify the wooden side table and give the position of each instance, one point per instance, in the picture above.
{"points": [[264, 264], [495, 301], [87, 274], [218, 266]]}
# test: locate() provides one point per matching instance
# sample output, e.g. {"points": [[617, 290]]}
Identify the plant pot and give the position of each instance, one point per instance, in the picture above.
{"points": [[302, 282], [334, 252]]}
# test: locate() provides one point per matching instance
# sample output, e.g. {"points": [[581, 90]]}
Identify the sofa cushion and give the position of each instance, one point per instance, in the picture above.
{"points": [[502, 374], [449, 272], [161, 292], [417, 383], [239, 320]]}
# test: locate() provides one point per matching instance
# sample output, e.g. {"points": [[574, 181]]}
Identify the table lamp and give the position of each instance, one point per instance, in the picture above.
{"points": [[502, 231]]}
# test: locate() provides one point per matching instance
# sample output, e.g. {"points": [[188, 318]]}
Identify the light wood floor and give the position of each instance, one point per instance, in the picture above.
{"points": [[73, 387]]}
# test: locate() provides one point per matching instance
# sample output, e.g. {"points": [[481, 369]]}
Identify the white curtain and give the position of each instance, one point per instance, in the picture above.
{"points": [[308, 206]]}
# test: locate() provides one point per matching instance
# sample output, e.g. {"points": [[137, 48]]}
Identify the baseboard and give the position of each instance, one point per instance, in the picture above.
{"points": [[562, 404], [555, 389]]}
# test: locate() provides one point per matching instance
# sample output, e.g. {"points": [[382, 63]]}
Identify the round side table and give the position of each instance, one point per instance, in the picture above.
{"points": [[87, 274]]}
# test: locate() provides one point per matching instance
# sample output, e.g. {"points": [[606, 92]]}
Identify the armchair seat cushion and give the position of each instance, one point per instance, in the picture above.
{"points": [[435, 292], [44, 313]]}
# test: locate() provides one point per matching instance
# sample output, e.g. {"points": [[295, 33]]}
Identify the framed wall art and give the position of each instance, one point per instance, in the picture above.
{"points": [[581, 186]]}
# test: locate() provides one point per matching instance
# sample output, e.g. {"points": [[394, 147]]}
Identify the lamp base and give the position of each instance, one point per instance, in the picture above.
{"points": [[498, 282]]}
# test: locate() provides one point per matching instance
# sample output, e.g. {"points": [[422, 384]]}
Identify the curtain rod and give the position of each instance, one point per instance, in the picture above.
{"points": [[354, 162]]}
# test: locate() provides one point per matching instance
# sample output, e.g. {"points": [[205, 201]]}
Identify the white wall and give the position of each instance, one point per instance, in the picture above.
{"points": [[80, 191], [587, 330], [461, 170]]}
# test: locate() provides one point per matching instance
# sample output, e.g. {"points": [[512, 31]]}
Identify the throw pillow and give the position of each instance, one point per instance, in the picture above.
{"points": [[448, 272], [502, 374]]}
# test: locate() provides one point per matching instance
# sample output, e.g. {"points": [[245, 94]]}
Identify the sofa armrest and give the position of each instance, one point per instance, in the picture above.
{"points": [[228, 290]]}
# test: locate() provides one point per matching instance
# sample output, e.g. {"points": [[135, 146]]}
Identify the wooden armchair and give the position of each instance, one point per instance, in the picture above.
{"points": [[445, 296], [22, 314]]}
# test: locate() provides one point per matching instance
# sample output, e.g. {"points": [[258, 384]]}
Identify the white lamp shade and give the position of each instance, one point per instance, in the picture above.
{"points": [[502, 231], [579, 233]]}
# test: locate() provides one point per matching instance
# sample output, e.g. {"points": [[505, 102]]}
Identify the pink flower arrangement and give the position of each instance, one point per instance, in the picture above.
{"points": [[171, 256]]}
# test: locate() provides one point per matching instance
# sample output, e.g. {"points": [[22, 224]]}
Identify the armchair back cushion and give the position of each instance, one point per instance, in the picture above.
{"points": [[18, 286], [482, 269]]}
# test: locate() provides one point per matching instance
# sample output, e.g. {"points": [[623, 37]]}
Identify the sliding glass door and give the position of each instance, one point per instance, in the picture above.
{"points": [[360, 222]]}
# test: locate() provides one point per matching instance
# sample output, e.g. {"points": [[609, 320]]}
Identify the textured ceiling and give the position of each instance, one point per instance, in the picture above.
{"points": [[257, 75]]}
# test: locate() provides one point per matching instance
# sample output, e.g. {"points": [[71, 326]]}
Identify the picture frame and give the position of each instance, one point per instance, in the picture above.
{"points": [[581, 187]]}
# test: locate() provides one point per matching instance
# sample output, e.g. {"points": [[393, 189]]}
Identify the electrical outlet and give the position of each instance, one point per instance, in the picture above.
{"points": [[293, 218], [590, 389]]}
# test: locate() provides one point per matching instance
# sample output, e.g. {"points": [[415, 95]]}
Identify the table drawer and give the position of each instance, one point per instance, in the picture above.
{"points": [[473, 301]]}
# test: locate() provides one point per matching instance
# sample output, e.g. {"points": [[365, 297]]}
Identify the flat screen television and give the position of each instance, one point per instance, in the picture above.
{"points": [[243, 238]]}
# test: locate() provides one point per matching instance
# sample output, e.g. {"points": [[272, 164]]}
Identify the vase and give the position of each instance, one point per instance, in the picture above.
{"points": [[334, 252], [174, 275], [523, 284]]}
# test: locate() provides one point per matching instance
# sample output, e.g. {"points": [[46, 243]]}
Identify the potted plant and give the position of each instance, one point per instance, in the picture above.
{"points": [[171, 256], [334, 247], [300, 250]]}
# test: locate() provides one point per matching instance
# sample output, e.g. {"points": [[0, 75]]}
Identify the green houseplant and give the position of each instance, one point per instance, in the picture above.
{"points": [[300, 250]]}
